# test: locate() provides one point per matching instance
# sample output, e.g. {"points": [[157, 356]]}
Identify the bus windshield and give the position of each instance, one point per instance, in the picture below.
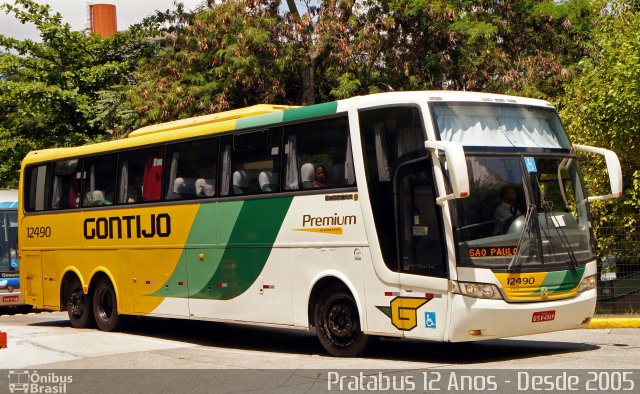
{"points": [[500, 125], [8, 242], [522, 213]]}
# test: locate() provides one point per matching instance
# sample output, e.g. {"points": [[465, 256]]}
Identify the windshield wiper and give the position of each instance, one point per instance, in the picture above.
{"points": [[527, 228], [546, 211]]}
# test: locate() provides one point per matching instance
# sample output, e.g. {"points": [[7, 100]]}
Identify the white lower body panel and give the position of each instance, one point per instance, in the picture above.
{"points": [[498, 319]]}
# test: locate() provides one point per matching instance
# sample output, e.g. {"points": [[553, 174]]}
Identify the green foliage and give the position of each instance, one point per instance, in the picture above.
{"points": [[602, 109], [522, 47], [65, 90], [228, 56]]}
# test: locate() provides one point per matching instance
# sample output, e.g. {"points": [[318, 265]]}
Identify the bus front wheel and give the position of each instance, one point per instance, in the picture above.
{"points": [[338, 323], [78, 305], [105, 307]]}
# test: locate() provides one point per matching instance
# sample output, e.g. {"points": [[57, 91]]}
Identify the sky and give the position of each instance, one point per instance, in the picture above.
{"points": [[74, 12]]}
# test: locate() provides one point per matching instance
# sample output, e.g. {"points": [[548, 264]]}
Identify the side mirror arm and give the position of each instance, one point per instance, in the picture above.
{"points": [[457, 165]]}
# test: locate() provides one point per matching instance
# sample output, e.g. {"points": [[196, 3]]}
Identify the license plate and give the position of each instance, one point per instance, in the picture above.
{"points": [[543, 316], [10, 298]]}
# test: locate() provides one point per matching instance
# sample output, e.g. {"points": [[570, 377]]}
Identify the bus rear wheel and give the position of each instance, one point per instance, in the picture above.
{"points": [[338, 323], [25, 308], [78, 305], [105, 307]]}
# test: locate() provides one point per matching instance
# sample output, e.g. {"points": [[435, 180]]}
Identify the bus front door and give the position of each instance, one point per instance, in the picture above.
{"points": [[421, 251]]}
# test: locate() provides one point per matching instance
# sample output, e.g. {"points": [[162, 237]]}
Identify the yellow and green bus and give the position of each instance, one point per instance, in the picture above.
{"points": [[380, 215]]}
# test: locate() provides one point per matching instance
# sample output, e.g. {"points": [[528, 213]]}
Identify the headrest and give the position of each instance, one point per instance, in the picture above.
{"points": [[98, 197], [240, 179], [265, 178], [204, 188], [307, 172], [179, 185]]}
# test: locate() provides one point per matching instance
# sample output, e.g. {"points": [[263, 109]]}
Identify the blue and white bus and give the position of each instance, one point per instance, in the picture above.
{"points": [[9, 265]]}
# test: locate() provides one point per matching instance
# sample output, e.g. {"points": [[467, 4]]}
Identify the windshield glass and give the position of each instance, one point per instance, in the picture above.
{"points": [[501, 125], [8, 241], [523, 212]]}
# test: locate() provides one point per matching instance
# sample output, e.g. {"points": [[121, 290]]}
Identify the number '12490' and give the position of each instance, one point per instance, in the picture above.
{"points": [[39, 232], [521, 281]]}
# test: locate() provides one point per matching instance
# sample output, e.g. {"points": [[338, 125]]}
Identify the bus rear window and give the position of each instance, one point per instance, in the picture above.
{"points": [[36, 192]]}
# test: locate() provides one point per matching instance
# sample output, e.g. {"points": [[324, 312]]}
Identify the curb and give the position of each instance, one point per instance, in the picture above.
{"points": [[620, 322]]}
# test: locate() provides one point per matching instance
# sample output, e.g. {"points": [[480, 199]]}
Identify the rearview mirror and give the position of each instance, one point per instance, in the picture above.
{"points": [[457, 167], [613, 168]]}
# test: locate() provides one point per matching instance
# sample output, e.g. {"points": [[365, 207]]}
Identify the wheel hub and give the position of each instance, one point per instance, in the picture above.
{"points": [[76, 303], [340, 320]]}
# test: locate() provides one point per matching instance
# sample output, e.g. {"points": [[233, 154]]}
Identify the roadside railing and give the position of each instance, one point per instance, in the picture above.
{"points": [[619, 270]]}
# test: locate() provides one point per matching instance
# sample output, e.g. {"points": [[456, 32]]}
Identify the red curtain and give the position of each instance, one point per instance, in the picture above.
{"points": [[152, 180]]}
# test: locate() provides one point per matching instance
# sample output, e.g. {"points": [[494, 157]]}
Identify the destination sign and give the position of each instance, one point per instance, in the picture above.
{"points": [[493, 251]]}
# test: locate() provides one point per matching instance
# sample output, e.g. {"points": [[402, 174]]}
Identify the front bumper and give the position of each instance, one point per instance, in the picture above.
{"points": [[499, 319]]}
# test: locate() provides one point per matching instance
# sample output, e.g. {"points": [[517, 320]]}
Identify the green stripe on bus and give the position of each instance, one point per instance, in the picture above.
{"points": [[561, 281], [175, 285], [245, 232], [247, 250], [311, 111], [208, 235], [259, 120], [227, 217]]}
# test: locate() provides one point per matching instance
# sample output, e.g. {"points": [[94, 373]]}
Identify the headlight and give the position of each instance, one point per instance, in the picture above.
{"points": [[587, 283], [476, 290]]}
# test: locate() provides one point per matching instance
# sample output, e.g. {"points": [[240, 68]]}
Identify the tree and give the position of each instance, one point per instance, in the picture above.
{"points": [[65, 90], [227, 56], [522, 47], [240, 52], [601, 108], [326, 35], [391, 45]]}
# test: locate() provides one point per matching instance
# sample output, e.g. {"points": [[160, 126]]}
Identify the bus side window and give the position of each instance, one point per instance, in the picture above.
{"points": [[140, 176], [318, 155], [65, 191], [251, 162], [99, 180], [191, 169]]}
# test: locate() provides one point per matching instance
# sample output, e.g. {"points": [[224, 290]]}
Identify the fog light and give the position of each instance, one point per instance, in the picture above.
{"points": [[475, 333]]}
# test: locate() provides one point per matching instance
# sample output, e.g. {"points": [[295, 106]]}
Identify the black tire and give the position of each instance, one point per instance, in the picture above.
{"points": [[78, 305], [105, 307], [338, 323], [24, 308]]}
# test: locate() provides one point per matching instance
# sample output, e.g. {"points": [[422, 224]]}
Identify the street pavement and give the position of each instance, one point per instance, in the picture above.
{"points": [[46, 340]]}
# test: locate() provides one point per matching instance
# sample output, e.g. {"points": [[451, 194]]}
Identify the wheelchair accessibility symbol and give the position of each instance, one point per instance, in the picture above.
{"points": [[430, 319]]}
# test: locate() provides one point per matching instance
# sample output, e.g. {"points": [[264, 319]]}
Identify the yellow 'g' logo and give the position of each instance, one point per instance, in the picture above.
{"points": [[403, 312]]}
